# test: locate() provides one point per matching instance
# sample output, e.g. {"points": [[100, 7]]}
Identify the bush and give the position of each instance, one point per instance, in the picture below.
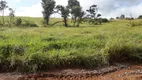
{"points": [[44, 23], [120, 50], [28, 23], [18, 22], [140, 17], [135, 23], [104, 20]]}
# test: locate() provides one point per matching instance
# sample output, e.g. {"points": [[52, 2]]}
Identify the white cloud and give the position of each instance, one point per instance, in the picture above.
{"points": [[32, 11], [108, 8]]}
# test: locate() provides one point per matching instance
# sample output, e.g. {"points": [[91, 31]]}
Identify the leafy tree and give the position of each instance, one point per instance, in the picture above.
{"points": [[3, 6], [117, 18], [80, 17], [64, 12], [93, 17], [98, 15], [48, 6], [76, 10], [72, 3], [93, 11], [18, 22], [122, 16], [11, 15], [140, 17]]}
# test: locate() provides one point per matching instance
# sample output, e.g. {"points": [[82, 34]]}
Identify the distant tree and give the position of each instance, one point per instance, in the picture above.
{"points": [[72, 3], [98, 15], [93, 17], [93, 11], [11, 15], [64, 12], [81, 18], [76, 10], [122, 16], [140, 17], [111, 19], [3, 6], [48, 7], [77, 14], [117, 18], [18, 22]]}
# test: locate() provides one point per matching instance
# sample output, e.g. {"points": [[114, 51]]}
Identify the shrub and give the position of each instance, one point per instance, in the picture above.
{"points": [[120, 50], [140, 17], [44, 23], [28, 23], [18, 22], [104, 20], [135, 23]]}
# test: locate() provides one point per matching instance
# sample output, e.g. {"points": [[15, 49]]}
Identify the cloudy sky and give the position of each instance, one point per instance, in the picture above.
{"points": [[108, 8]]}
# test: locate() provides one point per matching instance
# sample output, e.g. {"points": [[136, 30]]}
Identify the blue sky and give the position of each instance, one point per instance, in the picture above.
{"points": [[108, 8]]}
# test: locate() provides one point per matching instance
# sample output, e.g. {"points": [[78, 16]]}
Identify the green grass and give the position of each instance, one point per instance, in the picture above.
{"points": [[40, 49]]}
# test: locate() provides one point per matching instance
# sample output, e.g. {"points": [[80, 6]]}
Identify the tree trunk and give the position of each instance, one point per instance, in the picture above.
{"points": [[74, 21], [3, 17], [65, 21]]}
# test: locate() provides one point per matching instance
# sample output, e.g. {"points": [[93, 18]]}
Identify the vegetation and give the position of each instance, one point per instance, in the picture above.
{"points": [[48, 6], [37, 49], [140, 17], [95, 42], [3, 6], [64, 12]]}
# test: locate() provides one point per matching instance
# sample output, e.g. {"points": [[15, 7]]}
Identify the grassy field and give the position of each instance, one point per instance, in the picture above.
{"points": [[39, 49]]}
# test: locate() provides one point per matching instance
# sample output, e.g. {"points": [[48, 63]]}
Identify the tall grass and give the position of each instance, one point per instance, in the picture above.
{"points": [[40, 49]]}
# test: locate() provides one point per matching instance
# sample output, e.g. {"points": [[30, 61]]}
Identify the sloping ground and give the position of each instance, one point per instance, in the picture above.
{"points": [[117, 72]]}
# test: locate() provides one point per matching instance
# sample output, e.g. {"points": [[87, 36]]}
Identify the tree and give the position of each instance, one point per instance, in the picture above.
{"points": [[11, 15], [72, 3], [93, 17], [76, 13], [140, 17], [93, 11], [98, 15], [75, 9], [3, 6], [48, 6], [117, 18], [122, 16], [64, 12]]}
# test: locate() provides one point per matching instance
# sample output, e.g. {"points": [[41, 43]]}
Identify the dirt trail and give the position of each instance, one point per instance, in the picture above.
{"points": [[119, 72]]}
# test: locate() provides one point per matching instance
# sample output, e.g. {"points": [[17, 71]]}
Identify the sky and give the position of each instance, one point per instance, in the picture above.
{"points": [[108, 8]]}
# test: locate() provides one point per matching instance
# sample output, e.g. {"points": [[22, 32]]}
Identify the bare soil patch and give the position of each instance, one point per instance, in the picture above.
{"points": [[116, 72]]}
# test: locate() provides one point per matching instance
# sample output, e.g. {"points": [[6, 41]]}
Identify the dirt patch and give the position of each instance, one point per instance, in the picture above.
{"points": [[117, 72]]}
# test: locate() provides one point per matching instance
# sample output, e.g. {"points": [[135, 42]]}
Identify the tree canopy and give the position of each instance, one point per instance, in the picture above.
{"points": [[48, 6]]}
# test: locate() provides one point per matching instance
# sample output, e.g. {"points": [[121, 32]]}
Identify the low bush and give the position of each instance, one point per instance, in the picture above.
{"points": [[18, 22], [135, 23], [28, 23], [120, 50]]}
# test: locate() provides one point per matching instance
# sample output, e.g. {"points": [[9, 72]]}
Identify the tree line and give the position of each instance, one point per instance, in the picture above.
{"points": [[3, 7], [73, 10]]}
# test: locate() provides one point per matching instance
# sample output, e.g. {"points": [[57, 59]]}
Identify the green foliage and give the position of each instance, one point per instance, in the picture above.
{"points": [[135, 23], [121, 50], [18, 22], [122, 16], [64, 12], [28, 23], [41, 49], [3, 6], [72, 3], [104, 20], [140, 17], [48, 7], [25, 23]]}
